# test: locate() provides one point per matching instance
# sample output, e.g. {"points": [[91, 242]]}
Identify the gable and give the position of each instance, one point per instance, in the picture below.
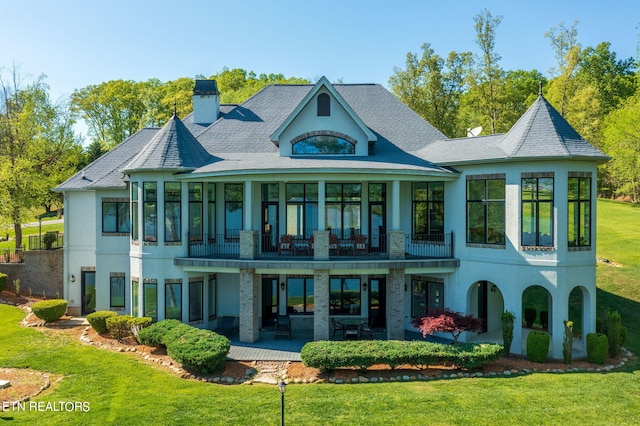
{"points": [[324, 115]]}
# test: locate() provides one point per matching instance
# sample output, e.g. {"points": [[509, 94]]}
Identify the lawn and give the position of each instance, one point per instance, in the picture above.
{"points": [[121, 389]]}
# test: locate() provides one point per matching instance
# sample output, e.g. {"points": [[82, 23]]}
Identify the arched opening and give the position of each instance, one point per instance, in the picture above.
{"points": [[536, 308], [485, 301]]}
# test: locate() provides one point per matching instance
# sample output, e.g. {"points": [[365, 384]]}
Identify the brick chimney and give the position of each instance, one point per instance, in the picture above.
{"points": [[206, 102]]}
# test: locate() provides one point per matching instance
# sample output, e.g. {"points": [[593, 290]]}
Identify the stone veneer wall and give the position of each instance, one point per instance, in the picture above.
{"points": [[249, 309], [395, 305], [396, 244], [42, 271], [321, 305]]}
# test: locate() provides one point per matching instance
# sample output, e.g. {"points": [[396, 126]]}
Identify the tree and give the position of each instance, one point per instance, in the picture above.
{"points": [[567, 50], [36, 147], [112, 110], [621, 140], [447, 321], [488, 79], [432, 86]]}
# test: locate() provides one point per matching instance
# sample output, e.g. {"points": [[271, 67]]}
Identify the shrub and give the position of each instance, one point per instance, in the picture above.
{"points": [[508, 318], [200, 350], [567, 344], [530, 314], [614, 333], [121, 326], [49, 238], [98, 319], [329, 355], [537, 346], [597, 347], [50, 310], [16, 287], [3, 281], [544, 319]]}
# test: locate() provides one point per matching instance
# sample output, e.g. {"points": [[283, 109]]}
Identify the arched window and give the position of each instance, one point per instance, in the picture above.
{"points": [[324, 105], [323, 144]]}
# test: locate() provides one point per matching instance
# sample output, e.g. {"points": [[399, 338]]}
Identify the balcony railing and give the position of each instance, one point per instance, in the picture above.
{"points": [[216, 246], [46, 241], [429, 245], [303, 247]]}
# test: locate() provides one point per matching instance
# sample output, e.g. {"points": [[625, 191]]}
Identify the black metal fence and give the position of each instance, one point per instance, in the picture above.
{"points": [[46, 241]]}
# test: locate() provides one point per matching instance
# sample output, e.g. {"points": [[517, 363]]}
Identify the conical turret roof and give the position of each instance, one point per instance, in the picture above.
{"points": [[543, 132], [173, 147]]}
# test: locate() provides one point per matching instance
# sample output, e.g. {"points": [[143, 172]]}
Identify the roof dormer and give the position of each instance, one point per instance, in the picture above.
{"points": [[323, 123]]}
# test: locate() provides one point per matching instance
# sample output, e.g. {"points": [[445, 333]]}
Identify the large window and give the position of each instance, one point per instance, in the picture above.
{"points": [[342, 208], [232, 210], [344, 296], [116, 217], [173, 300], [172, 212], [195, 301], [427, 294], [579, 206], [135, 296], [150, 210], [485, 210], [195, 211], [428, 209], [211, 210], [300, 295], [150, 300], [116, 286], [302, 208], [135, 236], [323, 144], [213, 312], [537, 211]]}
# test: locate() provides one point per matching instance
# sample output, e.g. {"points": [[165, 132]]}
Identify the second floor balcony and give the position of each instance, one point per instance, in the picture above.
{"points": [[321, 245]]}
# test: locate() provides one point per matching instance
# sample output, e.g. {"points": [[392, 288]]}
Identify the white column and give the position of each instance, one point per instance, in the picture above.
{"points": [[248, 205], [395, 205], [322, 195]]}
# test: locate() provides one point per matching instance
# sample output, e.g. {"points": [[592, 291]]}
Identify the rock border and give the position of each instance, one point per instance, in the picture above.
{"points": [[273, 372], [45, 386]]}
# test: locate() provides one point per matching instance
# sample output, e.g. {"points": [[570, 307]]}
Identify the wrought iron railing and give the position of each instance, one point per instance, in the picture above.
{"points": [[46, 241], [214, 246], [429, 245]]}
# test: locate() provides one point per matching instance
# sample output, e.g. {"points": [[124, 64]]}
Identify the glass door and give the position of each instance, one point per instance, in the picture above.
{"points": [[269, 301], [269, 227], [377, 218], [377, 303], [88, 284]]}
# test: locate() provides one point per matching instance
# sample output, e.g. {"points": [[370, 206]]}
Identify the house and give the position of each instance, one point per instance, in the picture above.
{"points": [[333, 201]]}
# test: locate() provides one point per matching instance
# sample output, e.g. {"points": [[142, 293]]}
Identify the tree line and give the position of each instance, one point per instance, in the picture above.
{"points": [[595, 91]]}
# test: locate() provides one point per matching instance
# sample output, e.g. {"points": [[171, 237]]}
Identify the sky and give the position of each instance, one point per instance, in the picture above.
{"points": [[77, 43]]}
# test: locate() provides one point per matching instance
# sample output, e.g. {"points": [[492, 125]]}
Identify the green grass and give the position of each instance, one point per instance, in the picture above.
{"points": [[26, 231], [121, 389]]}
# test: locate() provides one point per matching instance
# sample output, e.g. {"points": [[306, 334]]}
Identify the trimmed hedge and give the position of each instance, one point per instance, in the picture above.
{"points": [[121, 326], [199, 350], [98, 319], [537, 346], [329, 355], [50, 310], [3, 281], [597, 347]]}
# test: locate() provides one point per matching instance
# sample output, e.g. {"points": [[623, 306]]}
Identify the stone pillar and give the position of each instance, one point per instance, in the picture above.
{"points": [[321, 245], [248, 244], [395, 304], [321, 305], [249, 312], [396, 244]]}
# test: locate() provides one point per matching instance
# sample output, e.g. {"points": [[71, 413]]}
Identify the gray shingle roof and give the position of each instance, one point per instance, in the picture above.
{"points": [[172, 148], [541, 133]]}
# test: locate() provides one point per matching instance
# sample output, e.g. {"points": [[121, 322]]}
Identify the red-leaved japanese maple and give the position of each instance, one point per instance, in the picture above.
{"points": [[447, 321]]}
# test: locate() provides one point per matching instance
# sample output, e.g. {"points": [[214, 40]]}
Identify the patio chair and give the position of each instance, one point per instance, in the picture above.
{"points": [[283, 326], [333, 244], [361, 244], [336, 327], [227, 326], [285, 244], [366, 329]]}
